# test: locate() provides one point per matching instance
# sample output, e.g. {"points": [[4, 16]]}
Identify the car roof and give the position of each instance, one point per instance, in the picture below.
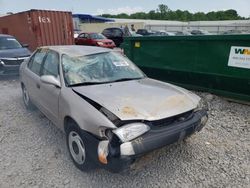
{"points": [[76, 51], [4, 35]]}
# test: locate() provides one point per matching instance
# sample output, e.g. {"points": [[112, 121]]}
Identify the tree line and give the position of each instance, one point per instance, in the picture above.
{"points": [[163, 12]]}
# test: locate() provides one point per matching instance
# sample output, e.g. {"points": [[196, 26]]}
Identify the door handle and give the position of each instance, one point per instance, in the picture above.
{"points": [[38, 86]]}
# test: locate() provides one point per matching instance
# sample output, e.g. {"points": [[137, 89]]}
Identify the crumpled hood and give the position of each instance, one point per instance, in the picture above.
{"points": [[14, 53], [144, 99]]}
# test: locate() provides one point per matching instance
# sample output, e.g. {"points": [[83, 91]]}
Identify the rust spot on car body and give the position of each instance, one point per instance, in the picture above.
{"points": [[173, 102], [129, 111]]}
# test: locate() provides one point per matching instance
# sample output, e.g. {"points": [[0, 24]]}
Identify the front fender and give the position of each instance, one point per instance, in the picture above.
{"points": [[83, 113]]}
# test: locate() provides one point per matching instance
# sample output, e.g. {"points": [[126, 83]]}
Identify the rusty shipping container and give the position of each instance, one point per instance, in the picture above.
{"points": [[39, 27]]}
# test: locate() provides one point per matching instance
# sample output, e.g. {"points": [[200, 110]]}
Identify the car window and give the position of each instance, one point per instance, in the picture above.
{"points": [[106, 32], [9, 43], [51, 64], [81, 35], [117, 33], [97, 36], [98, 68], [36, 61], [87, 36]]}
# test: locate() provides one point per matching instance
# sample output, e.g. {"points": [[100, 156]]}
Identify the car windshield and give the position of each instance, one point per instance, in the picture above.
{"points": [[99, 68], [9, 43], [97, 36]]}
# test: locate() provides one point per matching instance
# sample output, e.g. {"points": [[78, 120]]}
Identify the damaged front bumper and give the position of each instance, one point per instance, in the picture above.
{"points": [[120, 157]]}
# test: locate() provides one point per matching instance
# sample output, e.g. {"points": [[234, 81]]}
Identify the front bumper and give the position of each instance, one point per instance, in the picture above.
{"points": [[166, 135], [156, 138]]}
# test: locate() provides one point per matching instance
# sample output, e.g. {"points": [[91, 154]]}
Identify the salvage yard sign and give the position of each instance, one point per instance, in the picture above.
{"points": [[239, 57]]}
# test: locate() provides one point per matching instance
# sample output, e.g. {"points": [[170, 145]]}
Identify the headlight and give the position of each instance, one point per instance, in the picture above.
{"points": [[100, 43], [1, 62], [131, 131]]}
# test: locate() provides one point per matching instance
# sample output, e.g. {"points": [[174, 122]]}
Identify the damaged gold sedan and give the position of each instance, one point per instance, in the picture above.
{"points": [[111, 112]]}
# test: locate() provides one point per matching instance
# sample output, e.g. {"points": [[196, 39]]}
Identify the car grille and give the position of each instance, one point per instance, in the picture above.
{"points": [[171, 120], [13, 61]]}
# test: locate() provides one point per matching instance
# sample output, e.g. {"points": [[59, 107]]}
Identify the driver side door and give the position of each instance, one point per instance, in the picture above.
{"points": [[49, 94]]}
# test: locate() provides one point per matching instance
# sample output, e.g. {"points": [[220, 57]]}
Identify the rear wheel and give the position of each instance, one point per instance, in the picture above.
{"points": [[26, 99], [78, 148]]}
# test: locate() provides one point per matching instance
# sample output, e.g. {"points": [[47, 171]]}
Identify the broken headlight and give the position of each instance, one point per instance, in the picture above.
{"points": [[131, 131]]}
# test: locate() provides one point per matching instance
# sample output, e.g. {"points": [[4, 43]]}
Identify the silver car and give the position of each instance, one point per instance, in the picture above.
{"points": [[109, 109]]}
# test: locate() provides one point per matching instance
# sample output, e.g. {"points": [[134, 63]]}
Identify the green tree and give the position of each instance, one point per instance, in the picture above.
{"points": [[163, 12]]}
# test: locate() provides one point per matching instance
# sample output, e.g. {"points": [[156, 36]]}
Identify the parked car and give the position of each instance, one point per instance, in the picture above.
{"points": [[144, 32], [183, 33], [111, 112], [200, 32], [115, 34], [94, 39], [162, 33], [12, 54]]}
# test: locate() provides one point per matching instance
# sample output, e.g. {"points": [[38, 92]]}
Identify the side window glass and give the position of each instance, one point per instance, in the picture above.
{"points": [[36, 62], [117, 33], [81, 35], [51, 64], [106, 32], [31, 61]]}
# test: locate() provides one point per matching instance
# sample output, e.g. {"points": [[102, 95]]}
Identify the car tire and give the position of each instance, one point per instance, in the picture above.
{"points": [[26, 99], [78, 148]]}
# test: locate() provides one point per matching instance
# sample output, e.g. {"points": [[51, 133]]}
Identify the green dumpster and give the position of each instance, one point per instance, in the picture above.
{"points": [[218, 64]]}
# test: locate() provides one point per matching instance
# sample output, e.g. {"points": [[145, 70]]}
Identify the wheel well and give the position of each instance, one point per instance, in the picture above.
{"points": [[68, 121]]}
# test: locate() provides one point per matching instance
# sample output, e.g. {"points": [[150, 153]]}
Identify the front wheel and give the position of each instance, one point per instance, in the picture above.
{"points": [[78, 148]]}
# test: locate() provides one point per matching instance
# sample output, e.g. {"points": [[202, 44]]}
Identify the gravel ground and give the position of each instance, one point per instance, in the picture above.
{"points": [[33, 152]]}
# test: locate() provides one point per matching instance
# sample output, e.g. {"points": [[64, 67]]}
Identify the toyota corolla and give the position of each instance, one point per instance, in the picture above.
{"points": [[111, 112]]}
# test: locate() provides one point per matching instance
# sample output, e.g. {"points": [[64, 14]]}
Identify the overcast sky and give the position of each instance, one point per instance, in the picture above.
{"points": [[127, 6]]}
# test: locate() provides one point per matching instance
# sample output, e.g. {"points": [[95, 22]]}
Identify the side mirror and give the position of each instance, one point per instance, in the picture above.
{"points": [[25, 45], [48, 79]]}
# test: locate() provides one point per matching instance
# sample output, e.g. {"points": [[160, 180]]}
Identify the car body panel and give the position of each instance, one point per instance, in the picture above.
{"points": [[84, 114], [145, 99], [14, 53]]}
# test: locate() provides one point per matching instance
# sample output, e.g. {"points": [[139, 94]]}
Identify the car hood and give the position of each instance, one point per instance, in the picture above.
{"points": [[144, 99], [12, 53]]}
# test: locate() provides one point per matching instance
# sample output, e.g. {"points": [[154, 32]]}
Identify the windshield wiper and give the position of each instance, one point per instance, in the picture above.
{"points": [[95, 83], [126, 79], [86, 83]]}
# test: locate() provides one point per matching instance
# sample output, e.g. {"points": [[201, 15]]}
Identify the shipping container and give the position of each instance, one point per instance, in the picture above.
{"points": [[39, 27], [218, 64]]}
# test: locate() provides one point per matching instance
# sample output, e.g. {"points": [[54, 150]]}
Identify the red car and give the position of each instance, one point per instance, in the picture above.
{"points": [[94, 39]]}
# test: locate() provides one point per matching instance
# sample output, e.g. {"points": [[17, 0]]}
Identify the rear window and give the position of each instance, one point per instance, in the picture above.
{"points": [[9, 43]]}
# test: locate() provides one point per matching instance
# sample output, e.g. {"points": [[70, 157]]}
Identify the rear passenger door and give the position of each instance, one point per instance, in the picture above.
{"points": [[49, 94], [33, 73]]}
